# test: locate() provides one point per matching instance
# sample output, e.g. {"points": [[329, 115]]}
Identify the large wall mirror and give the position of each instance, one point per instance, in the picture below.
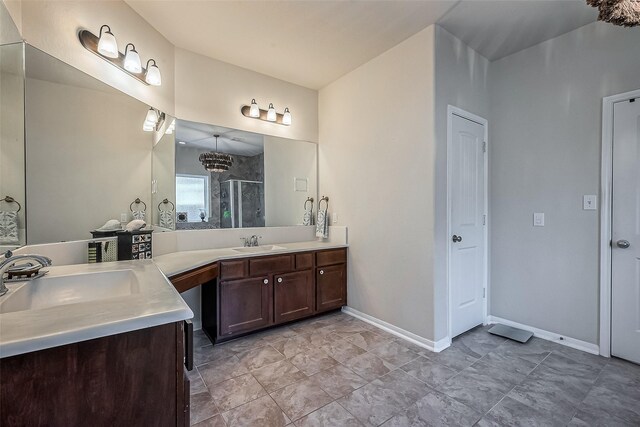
{"points": [[263, 181], [74, 155]]}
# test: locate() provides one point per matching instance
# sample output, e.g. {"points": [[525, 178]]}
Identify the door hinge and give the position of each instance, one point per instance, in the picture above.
{"points": [[484, 146], [484, 220], [484, 292]]}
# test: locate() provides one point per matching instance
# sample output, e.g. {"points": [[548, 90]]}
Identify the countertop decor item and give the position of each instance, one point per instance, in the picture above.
{"points": [[106, 47]]}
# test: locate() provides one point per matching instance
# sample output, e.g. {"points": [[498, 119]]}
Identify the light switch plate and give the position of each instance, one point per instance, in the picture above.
{"points": [[538, 219], [589, 202]]}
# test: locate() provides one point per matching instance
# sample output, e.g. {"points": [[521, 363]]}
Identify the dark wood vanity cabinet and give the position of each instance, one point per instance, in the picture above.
{"points": [[331, 287], [261, 291], [245, 305], [130, 379], [294, 296]]}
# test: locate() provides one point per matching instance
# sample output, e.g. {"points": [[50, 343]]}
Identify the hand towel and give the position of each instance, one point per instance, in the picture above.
{"points": [[9, 227], [322, 224], [138, 215], [307, 218], [166, 219], [136, 224]]}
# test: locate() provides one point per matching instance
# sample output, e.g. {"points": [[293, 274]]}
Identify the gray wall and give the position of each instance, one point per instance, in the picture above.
{"points": [[462, 80], [545, 131]]}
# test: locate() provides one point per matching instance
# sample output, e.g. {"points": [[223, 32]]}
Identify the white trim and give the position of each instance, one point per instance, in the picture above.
{"points": [[435, 346], [606, 181], [549, 336], [451, 111]]}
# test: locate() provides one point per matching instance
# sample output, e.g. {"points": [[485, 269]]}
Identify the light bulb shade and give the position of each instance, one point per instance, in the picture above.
{"points": [[148, 127], [271, 113], [132, 59], [107, 45], [286, 117], [254, 111], [153, 74], [152, 117]]}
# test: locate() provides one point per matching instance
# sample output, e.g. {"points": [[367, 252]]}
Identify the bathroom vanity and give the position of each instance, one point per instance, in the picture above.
{"points": [[95, 344], [246, 293]]}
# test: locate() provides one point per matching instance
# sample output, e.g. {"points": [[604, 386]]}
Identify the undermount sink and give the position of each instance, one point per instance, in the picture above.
{"points": [[258, 249], [51, 291]]}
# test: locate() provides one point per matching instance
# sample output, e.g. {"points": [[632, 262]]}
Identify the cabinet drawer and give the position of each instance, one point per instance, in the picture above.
{"points": [[233, 270], [334, 256], [269, 265], [185, 281], [304, 261]]}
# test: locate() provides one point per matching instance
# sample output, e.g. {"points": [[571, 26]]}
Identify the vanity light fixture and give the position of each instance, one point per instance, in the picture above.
{"points": [[271, 115], [132, 59], [215, 161], [106, 47], [254, 111], [153, 74], [153, 120], [286, 117]]}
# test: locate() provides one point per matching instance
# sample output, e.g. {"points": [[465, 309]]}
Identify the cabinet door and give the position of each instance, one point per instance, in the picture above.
{"points": [[245, 305], [294, 295], [331, 287]]}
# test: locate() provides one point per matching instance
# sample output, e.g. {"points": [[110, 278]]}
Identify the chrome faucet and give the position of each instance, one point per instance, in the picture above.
{"points": [[11, 259], [253, 240]]}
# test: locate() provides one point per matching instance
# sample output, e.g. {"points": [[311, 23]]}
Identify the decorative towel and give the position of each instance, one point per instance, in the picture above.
{"points": [[307, 218], [9, 227], [166, 219], [135, 225], [322, 224], [138, 215]]}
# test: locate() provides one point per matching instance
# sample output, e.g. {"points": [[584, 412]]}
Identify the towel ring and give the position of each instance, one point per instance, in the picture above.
{"points": [[137, 202], [325, 199], [309, 199], [166, 202], [10, 199]]}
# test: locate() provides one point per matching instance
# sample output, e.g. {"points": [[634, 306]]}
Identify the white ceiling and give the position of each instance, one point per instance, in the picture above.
{"points": [[496, 29], [310, 43], [231, 141]]}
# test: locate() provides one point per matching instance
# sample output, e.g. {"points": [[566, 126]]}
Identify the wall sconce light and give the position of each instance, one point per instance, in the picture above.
{"points": [[171, 127], [106, 47], [270, 115], [153, 120]]}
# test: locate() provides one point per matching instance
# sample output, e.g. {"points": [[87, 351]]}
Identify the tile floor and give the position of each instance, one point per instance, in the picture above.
{"points": [[336, 370]]}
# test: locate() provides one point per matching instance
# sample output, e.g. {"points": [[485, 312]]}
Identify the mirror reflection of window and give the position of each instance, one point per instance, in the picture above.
{"points": [[192, 196]]}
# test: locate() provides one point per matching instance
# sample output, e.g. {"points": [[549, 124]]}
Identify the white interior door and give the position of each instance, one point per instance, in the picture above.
{"points": [[467, 210], [625, 267]]}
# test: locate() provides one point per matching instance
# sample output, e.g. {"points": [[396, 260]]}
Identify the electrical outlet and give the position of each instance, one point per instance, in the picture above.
{"points": [[334, 218], [538, 219], [123, 217]]}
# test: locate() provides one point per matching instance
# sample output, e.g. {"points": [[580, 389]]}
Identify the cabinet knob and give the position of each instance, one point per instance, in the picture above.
{"points": [[279, 279], [321, 272], [265, 281]]}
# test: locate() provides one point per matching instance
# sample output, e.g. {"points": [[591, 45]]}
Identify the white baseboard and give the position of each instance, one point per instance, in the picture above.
{"points": [[435, 346], [550, 336]]}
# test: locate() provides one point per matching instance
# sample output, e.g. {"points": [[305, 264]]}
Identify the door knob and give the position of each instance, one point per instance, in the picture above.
{"points": [[279, 279], [457, 239], [265, 281], [321, 271], [623, 244]]}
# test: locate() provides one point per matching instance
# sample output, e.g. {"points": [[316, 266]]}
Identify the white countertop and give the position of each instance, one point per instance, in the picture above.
{"points": [[155, 302], [180, 262]]}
